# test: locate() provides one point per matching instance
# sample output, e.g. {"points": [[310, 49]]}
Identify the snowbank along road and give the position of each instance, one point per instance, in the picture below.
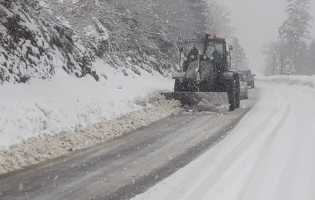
{"points": [[269, 155], [126, 166]]}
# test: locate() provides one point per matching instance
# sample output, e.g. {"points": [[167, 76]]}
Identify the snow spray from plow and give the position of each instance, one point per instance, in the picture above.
{"points": [[205, 101]]}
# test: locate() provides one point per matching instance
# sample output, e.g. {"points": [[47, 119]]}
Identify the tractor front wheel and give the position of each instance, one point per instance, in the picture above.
{"points": [[180, 87]]}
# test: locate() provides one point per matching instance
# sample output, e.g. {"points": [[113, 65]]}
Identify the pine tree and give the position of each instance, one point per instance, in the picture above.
{"points": [[295, 31], [311, 59], [275, 62], [198, 16], [218, 20], [239, 60]]}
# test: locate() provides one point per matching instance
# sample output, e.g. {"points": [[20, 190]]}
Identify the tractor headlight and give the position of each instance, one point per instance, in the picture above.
{"points": [[192, 57], [204, 57], [185, 58], [211, 58]]}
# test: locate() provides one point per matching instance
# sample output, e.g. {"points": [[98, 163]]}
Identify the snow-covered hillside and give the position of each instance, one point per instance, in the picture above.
{"points": [[66, 66], [59, 76], [32, 47], [59, 104], [45, 119], [39, 37]]}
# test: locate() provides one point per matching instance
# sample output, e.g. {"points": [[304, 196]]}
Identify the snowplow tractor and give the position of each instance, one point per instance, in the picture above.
{"points": [[206, 75]]}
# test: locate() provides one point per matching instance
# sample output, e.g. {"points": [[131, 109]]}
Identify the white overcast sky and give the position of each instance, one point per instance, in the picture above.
{"points": [[257, 23]]}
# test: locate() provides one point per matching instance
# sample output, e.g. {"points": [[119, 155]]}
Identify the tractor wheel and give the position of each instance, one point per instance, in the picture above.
{"points": [[180, 87], [231, 92], [176, 86], [191, 86], [246, 96], [238, 92]]}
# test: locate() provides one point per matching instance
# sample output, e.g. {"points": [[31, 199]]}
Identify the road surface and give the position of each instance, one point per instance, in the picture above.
{"points": [[269, 155], [127, 166]]}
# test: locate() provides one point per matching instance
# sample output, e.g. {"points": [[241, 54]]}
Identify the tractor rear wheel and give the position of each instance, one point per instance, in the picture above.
{"points": [[238, 92], [231, 92]]}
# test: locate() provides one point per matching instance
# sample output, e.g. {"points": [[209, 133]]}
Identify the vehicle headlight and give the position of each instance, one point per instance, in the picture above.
{"points": [[211, 58], [192, 56], [204, 57]]}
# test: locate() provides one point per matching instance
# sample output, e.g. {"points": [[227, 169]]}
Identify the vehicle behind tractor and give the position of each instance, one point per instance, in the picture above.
{"points": [[206, 74]]}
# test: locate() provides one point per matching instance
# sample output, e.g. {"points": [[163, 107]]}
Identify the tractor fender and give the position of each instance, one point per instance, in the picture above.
{"points": [[228, 75], [178, 75]]}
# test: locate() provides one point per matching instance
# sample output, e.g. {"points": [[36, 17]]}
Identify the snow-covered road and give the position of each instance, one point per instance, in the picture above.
{"points": [[269, 155]]}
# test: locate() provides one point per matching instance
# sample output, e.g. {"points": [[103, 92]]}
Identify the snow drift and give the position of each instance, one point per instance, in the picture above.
{"points": [[290, 80]]}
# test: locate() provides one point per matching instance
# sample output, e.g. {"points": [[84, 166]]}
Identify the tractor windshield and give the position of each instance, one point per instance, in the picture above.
{"points": [[213, 49], [198, 46]]}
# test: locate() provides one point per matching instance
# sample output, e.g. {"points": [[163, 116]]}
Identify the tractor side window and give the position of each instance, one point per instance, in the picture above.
{"points": [[210, 50], [242, 77], [215, 51], [219, 48]]}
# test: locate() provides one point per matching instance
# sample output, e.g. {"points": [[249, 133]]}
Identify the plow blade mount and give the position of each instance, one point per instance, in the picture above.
{"points": [[192, 99]]}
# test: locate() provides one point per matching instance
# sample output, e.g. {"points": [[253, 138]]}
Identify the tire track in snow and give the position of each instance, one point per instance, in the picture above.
{"points": [[233, 157], [311, 111], [254, 160], [266, 146], [299, 173], [210, 179]]}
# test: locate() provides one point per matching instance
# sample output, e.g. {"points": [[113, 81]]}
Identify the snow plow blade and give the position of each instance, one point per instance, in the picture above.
{"points": [[194, 99]]}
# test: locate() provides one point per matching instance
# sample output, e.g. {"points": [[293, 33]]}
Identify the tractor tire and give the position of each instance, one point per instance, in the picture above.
{"points": [[246, 96], [238, 92], [231, 92], [177, 86], [180, 87], [191, 86]]}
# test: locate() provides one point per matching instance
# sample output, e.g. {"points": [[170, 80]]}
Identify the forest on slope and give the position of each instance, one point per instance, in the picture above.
{"points": [[40, 36]]}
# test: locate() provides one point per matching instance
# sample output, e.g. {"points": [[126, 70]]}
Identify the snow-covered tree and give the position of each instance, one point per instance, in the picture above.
{"points": [[295, 31], [198, 16], [274, 58], [218, 20], [239, 60], [310, 69]]}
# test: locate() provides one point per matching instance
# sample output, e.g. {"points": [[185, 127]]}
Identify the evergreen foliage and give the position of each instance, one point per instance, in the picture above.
{"points": [[290, 53], [294, 32], [239, 60]]}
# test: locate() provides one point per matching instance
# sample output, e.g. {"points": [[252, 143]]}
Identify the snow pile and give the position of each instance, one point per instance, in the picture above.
{"points": [[291, 80], [213, 101], [46, 146], [28, 110], [205, 105]]}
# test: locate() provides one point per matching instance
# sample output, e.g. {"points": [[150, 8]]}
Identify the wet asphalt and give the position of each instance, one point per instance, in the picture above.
{"points": [[126, 166]]}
